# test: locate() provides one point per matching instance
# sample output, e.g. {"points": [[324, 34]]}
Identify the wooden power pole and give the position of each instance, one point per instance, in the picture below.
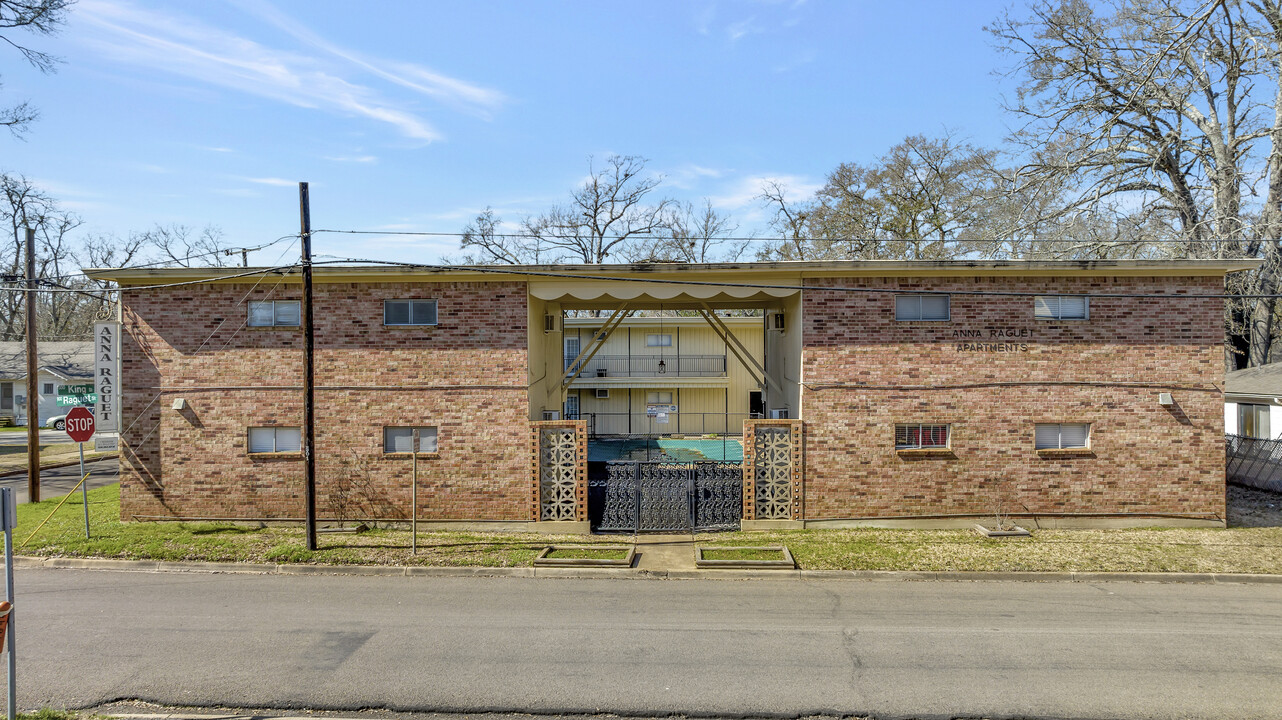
{"points": [[33, 380], [309, 410]]}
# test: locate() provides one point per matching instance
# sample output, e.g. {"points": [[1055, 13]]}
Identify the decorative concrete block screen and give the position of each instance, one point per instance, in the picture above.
{"points": [[559, 470], [772, 470]]}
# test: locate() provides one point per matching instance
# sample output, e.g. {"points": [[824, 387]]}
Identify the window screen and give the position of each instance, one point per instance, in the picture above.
{"points": [[658, 398], [921, 307], [664, 340], [911, 436], [409, 312], [1062, 436], [275, 439], [401, 439], [1060, 307], [48, 389], [274, 313]]}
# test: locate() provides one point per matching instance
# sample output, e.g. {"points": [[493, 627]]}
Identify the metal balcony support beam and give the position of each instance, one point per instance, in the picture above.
{"points": [[595, 345], [744, 356]]}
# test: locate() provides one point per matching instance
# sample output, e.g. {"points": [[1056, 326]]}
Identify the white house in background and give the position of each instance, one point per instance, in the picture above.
{"points": [[59, 363], [1253, 402]]}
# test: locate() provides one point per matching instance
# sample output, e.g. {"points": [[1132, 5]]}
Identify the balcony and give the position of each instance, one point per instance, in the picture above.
{"points": [[648, 366]]}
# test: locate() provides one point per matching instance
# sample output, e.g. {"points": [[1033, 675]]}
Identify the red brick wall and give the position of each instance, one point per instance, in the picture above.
{"points": [[863, 372], [467, 376]]}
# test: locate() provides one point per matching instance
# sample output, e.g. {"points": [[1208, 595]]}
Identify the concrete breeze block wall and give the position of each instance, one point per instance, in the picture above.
{"points": [[467, 376], [863, 372]]}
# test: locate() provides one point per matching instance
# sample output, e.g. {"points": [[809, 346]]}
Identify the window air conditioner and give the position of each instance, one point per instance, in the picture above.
{"points": [[602, 372], [551, 414], [779, 413], [602, 393]]}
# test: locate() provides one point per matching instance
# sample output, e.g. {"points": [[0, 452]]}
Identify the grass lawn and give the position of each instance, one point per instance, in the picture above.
{"points": [[566, 553], [1235, 550], [741, 553], [64, 536], [14, 457]]}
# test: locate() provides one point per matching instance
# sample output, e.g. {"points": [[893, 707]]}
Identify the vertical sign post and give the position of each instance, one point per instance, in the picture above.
{"points": [[414, 494], [80, 427], [8, 521]]}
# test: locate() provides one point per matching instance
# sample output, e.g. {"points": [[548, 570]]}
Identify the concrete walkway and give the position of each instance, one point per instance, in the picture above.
{"points": [[665, 552]]}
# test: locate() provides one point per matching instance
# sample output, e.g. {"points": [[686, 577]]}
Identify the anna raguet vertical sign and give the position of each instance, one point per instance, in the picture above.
{"points": [[106, 374]]}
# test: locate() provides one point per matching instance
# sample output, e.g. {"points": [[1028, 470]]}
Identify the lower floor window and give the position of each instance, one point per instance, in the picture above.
{"points": [[1062, 436], [1253, 421], [275, 439], [918, 436], [401, 439]]}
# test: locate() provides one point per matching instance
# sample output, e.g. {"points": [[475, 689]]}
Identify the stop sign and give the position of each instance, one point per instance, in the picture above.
{"points": [[80, 424]]}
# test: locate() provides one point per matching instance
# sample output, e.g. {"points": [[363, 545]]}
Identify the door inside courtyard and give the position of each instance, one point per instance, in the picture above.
{"points": [[665, 391]]}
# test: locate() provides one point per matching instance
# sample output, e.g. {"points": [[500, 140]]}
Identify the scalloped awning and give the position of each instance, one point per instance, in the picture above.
{"points": [[610, 293]]}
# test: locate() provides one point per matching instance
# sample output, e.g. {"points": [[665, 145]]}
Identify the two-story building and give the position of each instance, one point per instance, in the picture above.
{"points": [[879, 392]]}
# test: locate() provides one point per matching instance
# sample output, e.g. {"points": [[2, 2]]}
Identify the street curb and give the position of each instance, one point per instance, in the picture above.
{"points": [[54, 466], [30, 562]]}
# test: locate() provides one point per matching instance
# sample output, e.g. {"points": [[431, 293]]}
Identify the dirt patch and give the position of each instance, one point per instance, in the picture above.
{"points": [[1249, 507]]}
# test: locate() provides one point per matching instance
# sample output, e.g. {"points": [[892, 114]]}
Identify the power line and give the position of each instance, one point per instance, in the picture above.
{"points": [[131, 288]]}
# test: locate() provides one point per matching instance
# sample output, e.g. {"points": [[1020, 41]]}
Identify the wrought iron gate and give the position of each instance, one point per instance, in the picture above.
{"points": [[636, 496]]}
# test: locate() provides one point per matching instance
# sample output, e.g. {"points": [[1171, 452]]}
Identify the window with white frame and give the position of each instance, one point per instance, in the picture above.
{"points": [[658, 398], [658, 340], [1061, 307], [921, 307], [409, 312], [921, 436], [572, 407], [401, 439], [274, 313], [48, 389], [1253, 421], [275, 439], [1062, 436]]}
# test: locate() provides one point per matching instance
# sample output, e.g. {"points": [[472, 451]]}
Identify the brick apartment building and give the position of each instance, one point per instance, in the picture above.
{"points": [[882, 392]]}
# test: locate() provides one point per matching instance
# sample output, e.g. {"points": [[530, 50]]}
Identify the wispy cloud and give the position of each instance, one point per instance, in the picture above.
{"points": [[687, 176], [353, 159], [198, 51], [745, 192], [218, 149], [743, 28], [273, 181]]}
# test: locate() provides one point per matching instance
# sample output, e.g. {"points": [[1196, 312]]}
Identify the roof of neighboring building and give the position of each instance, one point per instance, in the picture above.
{"points": [[67, 360], [1262, 381]]}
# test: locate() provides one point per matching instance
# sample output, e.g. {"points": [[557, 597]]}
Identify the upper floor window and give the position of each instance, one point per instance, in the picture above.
{"points": [[274, 313], [664, 340], [275, 439], [409, 312], [1061, 307], [1062, 436], [921, 307], [917, 436], [658, 398]]}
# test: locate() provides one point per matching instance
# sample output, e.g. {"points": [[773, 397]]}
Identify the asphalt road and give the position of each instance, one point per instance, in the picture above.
{"points": [[55, 482], [651, 647], [46, 436]]}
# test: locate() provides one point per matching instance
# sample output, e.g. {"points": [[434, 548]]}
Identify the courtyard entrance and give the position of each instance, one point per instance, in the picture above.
{"points": [[654, 496]]}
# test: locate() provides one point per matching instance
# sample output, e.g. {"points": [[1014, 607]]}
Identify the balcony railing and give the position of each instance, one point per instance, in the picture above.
{"points": [[689, 423], [649, 366]]}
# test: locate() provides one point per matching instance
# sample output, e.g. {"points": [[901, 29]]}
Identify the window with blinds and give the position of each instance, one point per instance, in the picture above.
{"points": [[920, 436], [401, 439], [921, 307], [275, 439], [274, 313], [1061, 307], [1062, 436], [409, 312]]}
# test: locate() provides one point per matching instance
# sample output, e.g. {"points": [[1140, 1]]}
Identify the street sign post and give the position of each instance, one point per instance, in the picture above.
{"points": [[8, 521], [80, 426]]}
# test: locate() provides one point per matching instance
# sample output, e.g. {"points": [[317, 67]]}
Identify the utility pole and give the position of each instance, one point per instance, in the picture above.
{"points": [[309, 414], [33, 382]]}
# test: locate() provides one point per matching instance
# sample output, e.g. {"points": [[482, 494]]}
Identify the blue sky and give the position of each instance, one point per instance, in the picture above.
{"points": [[416, 115]]}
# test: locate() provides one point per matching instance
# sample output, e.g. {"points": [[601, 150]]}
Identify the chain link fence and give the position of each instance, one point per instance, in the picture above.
{"points": [[1254, 462]]}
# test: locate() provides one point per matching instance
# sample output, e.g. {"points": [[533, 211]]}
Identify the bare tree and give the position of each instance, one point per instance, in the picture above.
{"points": [[494, 247], [184, 246], [1169, 106], [693, 235], [41, 17], [610, 210]]}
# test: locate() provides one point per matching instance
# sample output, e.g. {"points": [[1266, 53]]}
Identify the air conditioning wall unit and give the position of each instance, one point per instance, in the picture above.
{"points": [[778, 321], [602, 372], [602, 393], [778, 413], [551, 414]]}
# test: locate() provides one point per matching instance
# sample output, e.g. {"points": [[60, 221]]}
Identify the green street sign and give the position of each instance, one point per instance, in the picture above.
{"points": [[83, 399], [75, 389]]}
